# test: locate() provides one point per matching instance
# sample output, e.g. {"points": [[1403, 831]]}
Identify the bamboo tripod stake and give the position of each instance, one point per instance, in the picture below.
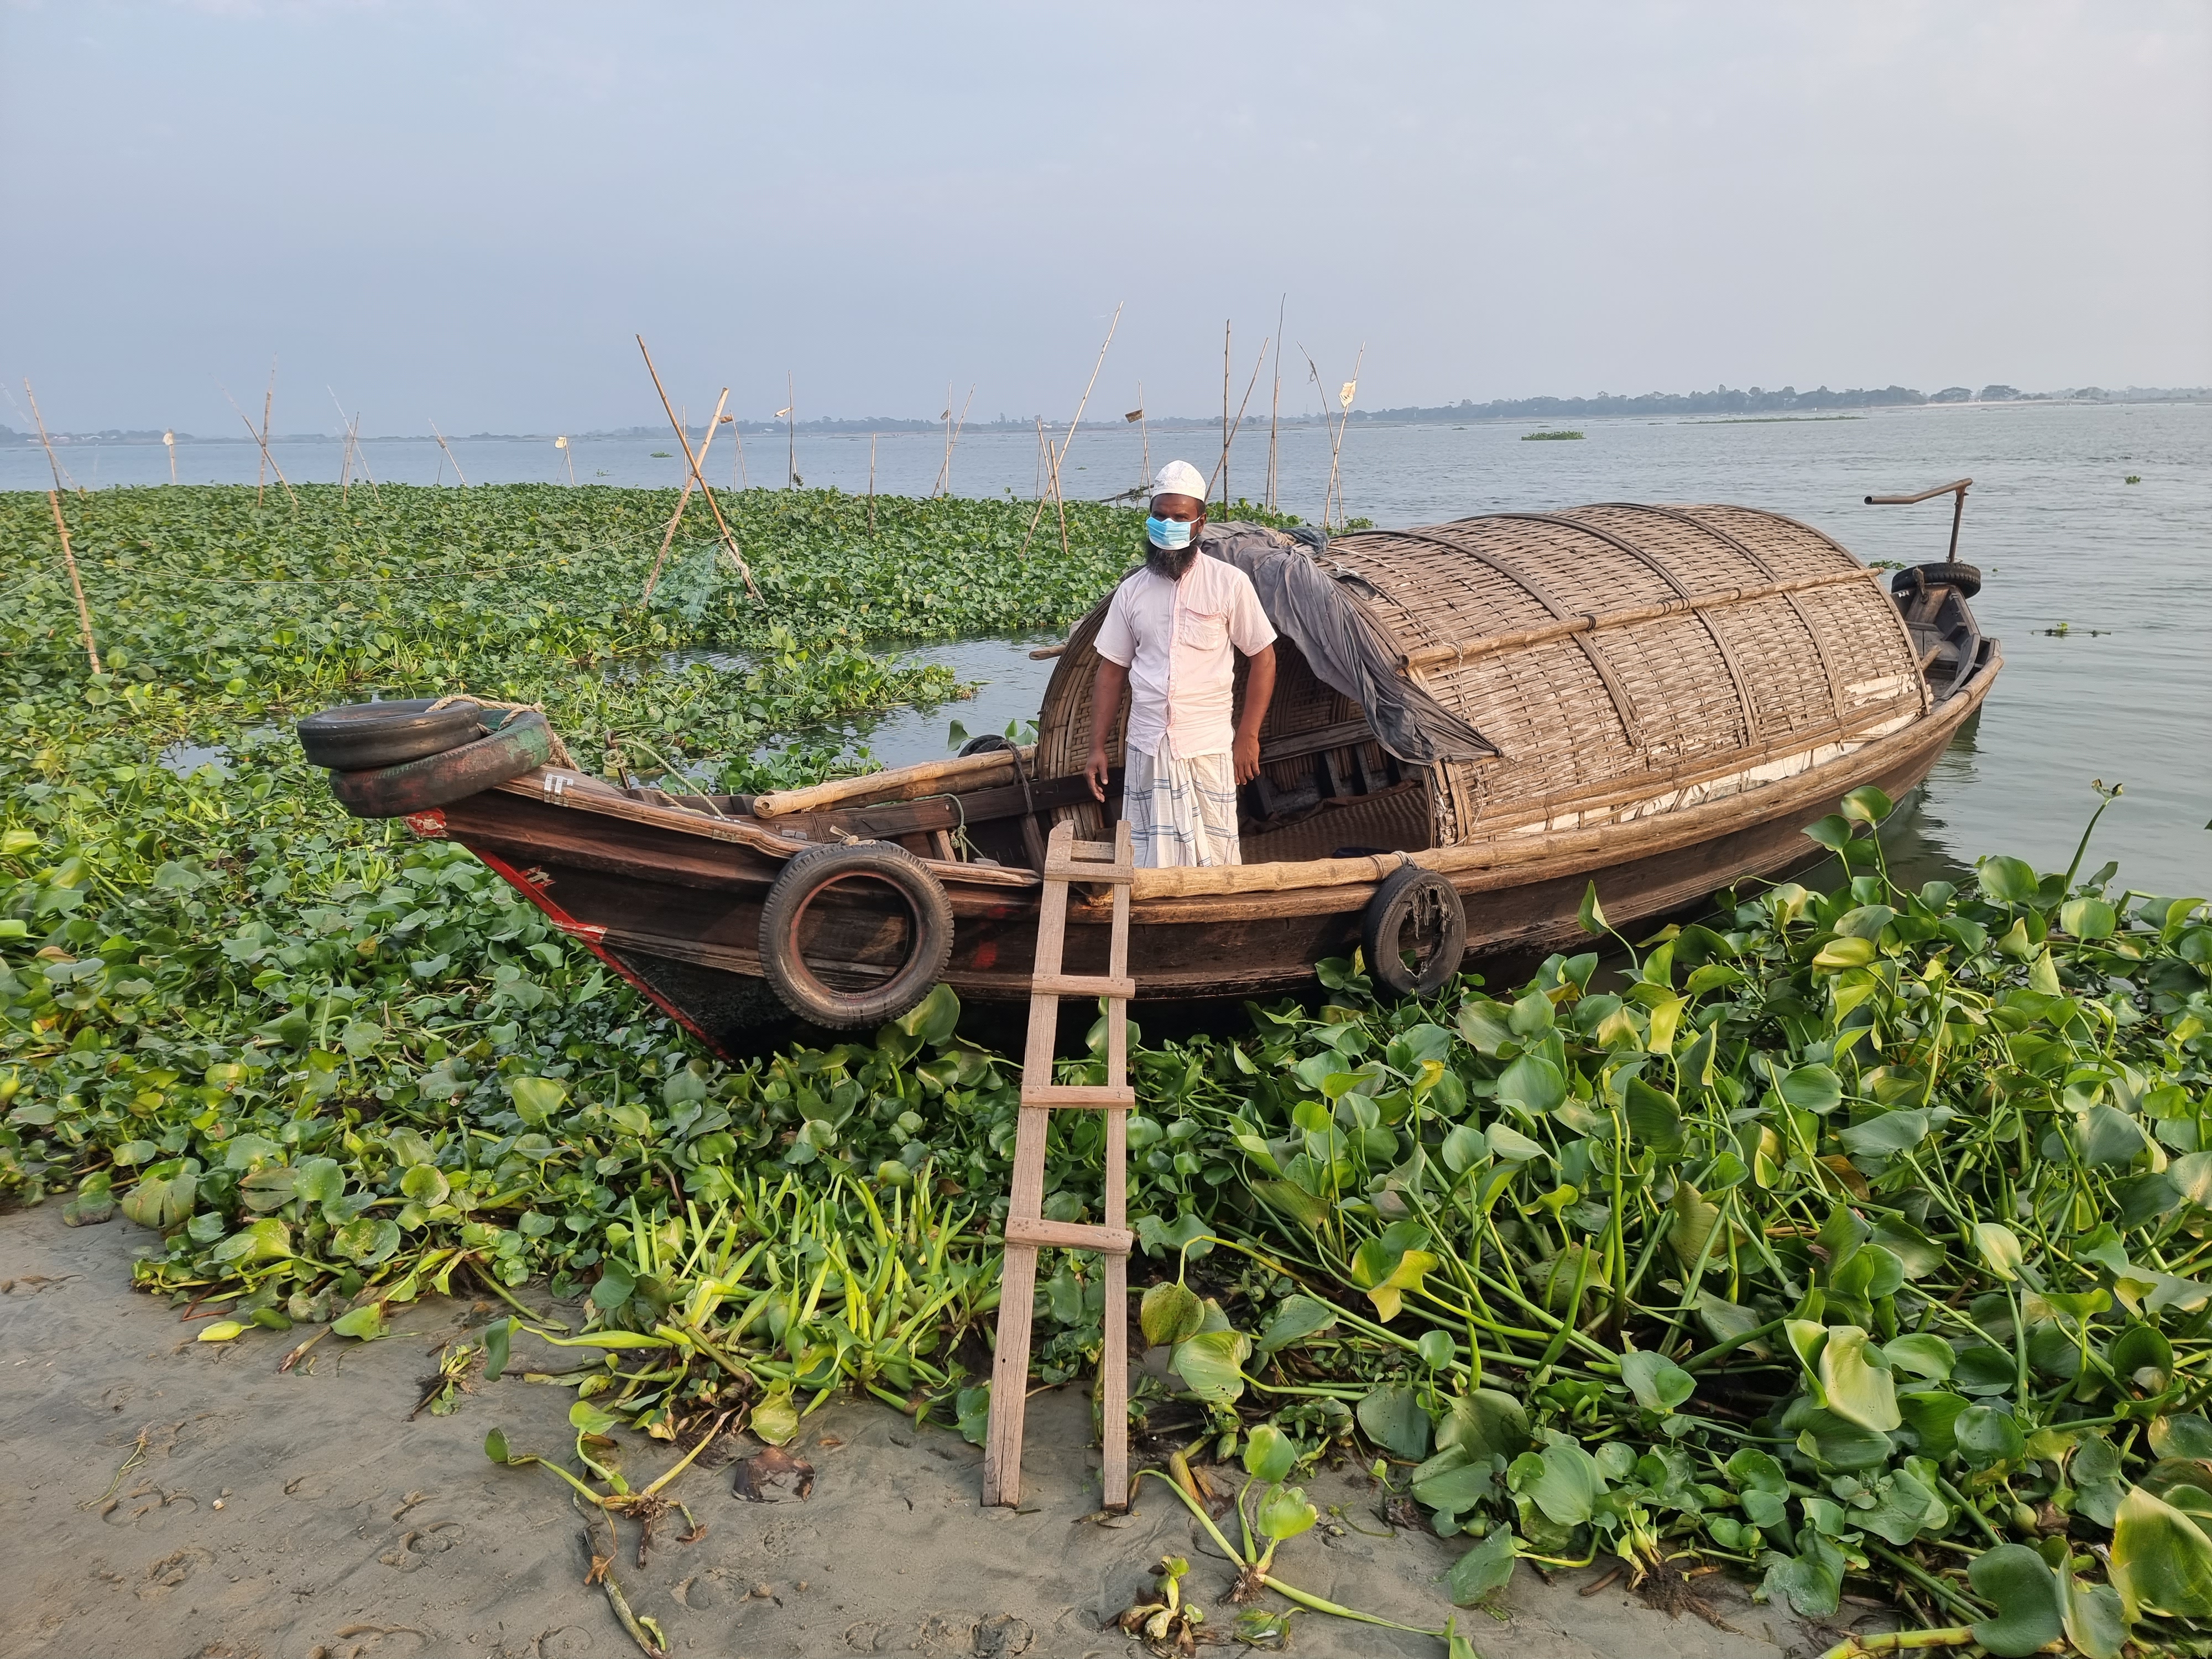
{"points": [[450, 456], [1229, 436], [62, 479], [1068, 860], [76, 587], [696, 462], [267, 460], [1061, 454]]}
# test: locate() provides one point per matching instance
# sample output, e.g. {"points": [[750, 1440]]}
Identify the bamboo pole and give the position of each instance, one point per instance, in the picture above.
{"points": [[450, 456], [1344, 419], [1275, 409], [269, 459], [345, 462], [871, 486], [169, 443], [896, 783], [1222, 470], [1335, 423], [953, 437], [790, 413], [1061, 454], [1145, 432], [60, 471], [946, 468], [76, 585], [698, 474], [267, 398], [683, 497], [360, 455]]}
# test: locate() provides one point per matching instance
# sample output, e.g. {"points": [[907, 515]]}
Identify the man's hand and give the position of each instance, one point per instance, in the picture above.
{"points": [[1245, 752], [1259, 691], [1106, 688]]}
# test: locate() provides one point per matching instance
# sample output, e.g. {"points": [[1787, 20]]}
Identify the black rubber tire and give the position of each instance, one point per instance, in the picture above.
{"points": [[803, 880], [523, 743], [1404, 892], [358, 737], [1966, 578], [985, 742]]}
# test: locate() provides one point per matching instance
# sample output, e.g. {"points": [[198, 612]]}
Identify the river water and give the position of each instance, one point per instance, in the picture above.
{"points": [[2123, 693]]}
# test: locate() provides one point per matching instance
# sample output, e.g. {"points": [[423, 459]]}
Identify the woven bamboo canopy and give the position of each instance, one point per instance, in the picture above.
{"points": [[1621, 658]]}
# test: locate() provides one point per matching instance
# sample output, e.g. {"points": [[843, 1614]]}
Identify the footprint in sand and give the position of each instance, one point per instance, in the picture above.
{"points": [[162, 1576], [148, 1508], [360, 1641], [943, 1635], [310, 1485], [418, 1544]]}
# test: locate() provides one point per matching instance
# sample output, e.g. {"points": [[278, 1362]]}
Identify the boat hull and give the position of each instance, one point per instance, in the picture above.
{"points": [[671, 899]]}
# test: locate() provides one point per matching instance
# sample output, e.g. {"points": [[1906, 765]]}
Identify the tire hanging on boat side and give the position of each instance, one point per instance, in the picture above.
{"points": [[1966, 578], [804, 879], [1411, 895]]}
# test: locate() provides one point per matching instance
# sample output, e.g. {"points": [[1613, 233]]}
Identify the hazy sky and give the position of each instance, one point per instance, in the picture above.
{"points": [[463, 211]]}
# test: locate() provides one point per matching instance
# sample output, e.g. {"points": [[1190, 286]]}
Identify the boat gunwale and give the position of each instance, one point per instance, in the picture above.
{"points": [[1506, 846]]}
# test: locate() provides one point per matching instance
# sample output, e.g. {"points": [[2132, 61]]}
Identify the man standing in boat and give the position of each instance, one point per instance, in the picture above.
{"points": [[1170, 638]]}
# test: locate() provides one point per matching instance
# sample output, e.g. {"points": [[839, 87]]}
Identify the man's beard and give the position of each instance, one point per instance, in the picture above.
{"points": [[1171, 562]]}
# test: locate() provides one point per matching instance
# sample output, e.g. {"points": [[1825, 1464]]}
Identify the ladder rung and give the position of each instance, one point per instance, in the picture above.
{"points": [[1071, 1236], [1079, 1094], [1090, 849], [1082, 985], [1119, 875]]}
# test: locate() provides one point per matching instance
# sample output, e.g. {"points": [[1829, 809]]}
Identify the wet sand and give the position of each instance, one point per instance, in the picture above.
{"points": [[304, 1515]]}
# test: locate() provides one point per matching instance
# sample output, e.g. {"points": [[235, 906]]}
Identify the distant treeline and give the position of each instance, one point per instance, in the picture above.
{"points": [[1756, 400], [1721, 400]]}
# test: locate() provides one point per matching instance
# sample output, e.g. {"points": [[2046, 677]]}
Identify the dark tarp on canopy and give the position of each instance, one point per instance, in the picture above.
{"points": [[1311, 608]]}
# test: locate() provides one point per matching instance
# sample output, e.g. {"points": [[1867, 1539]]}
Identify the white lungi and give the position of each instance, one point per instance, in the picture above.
{"points": [[1180, 811]]}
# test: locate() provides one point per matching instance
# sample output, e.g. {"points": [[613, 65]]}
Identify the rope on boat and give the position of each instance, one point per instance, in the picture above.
{"points": [[560, 755]]}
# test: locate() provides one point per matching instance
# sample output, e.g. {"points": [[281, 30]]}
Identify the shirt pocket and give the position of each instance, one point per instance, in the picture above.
{"points": [[1204, 630]]}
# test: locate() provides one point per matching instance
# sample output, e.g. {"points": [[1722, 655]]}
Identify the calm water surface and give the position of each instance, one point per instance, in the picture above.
{"points": [[2124, 695]]}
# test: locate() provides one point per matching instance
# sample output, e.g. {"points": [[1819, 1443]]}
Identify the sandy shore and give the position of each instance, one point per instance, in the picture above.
{"points": [[304, 1515]]}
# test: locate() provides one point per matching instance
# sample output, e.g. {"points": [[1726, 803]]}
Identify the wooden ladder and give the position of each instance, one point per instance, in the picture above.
{"points": [[1067, 859]]}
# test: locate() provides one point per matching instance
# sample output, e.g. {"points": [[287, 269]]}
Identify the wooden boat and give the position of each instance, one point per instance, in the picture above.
{"points": [[1664, 696]]}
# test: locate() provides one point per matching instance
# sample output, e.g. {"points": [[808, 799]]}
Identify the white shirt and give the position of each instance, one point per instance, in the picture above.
{"points": [[1176, 639]]}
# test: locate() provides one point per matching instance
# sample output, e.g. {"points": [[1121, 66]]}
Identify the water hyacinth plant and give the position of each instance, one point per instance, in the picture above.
{"points": [[1854, 1236]]}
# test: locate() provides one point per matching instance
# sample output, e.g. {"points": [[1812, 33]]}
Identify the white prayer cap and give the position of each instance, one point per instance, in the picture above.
{"points": [[1180, 478]]}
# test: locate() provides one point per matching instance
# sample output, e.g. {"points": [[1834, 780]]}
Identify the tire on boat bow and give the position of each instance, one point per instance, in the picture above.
{"points": [[358, 737], [783, 923], [1417, 910], [522, 742]]}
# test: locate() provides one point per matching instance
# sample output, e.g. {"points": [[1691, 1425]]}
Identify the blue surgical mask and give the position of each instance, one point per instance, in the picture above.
{"points": [[1171, 534]]}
